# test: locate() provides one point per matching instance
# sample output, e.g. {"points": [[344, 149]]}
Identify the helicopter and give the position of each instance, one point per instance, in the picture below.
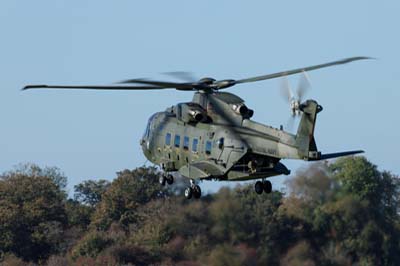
{"points": [[213, 136]]}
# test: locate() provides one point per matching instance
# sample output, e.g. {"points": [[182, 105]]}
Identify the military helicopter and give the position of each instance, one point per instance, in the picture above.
{"points": [[213, 137]]}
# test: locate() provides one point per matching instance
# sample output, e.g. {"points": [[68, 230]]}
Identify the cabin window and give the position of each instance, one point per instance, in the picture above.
{"points": [[220, 143], [186, 143], [208, 147], [194, 145], [177, 141], [168, 139]]}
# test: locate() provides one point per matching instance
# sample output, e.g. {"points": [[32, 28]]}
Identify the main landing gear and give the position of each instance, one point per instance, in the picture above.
{"points": [[193, 190], [169, 179], [261, 186]]}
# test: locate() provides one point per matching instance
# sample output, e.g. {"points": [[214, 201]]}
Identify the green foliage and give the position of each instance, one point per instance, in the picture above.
{"points": [[91, 245], [98, 261], [357, 218], [12, 260], [128, 191], [301, 254], [78, 214], [153, 229], [358, 176], [56, 260], [361, 178], [342, 213], [32, 215], [130, 254], [241, 215], [90, 192], [223, 255], [33, 170]]}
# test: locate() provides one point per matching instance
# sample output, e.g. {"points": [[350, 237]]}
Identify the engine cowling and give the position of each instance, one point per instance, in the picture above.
{"points": [[190, 112], [243, 110], [197, 115]]}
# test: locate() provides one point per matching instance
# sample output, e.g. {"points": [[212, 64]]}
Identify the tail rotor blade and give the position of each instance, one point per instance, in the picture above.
{"points": [[303, 86], [285, 89]]}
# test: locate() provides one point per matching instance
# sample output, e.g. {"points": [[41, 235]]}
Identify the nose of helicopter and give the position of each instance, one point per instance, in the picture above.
{"points": [[142, 142], [145, 144], [145, 140]]}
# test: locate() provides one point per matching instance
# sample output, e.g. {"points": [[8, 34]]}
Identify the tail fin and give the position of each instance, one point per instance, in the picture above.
{"points": [[305, 141], [305, 135]]}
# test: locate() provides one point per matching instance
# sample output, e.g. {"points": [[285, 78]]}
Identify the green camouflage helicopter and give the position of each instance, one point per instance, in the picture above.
{"points": [[213, 137]]}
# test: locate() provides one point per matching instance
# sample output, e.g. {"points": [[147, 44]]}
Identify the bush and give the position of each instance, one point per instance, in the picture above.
{"points": [[91, 245]]}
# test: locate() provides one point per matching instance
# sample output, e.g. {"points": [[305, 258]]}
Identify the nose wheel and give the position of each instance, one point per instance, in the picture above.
{"points": [[263, 186], [193, 190]]}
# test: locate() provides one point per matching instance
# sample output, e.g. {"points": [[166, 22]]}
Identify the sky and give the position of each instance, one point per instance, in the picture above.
{"points": [[94, 134]]}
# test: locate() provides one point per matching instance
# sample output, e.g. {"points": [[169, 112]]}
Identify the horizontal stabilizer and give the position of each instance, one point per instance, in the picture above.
{"points": [[338, 154]]}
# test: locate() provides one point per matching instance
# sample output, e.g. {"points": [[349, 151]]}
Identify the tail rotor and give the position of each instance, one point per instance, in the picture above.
{"points": [[294, 99]]}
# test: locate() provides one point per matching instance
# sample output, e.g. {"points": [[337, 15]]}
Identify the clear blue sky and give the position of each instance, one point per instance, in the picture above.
{"points": [[91, 134]]}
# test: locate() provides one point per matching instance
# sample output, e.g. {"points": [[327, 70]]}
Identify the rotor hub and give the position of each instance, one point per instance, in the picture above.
{"points": [[207, 81]]}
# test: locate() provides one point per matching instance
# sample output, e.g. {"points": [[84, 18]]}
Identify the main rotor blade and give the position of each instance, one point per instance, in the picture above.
{"points": [[164, 84], [191, 86], [299, 70], [93, 87], [182, 75]]}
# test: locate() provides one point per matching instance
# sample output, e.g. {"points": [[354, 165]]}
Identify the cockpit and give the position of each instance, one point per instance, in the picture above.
{"points": [[146, 141], [149, 127]]}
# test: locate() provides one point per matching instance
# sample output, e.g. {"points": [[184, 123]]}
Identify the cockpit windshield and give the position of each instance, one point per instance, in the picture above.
{"points": [[146, 134]]}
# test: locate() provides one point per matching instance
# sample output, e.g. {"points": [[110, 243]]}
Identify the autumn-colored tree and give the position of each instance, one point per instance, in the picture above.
{"points": [[351, 205], [31, 169], [128, 191], [90, 192], [32, 214], [344, 212]]}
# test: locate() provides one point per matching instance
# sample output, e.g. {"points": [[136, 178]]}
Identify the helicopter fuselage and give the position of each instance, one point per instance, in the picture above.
{"points": [[225, 145]]}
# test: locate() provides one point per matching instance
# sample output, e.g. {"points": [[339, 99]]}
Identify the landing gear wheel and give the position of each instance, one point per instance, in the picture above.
{"points": [[267, 186], [197, 192], [170, 179], [162, 180], [258, 187], [188, 192]]}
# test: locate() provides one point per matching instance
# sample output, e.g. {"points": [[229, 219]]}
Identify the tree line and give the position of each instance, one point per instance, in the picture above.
{"points": [[340, 213]]}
